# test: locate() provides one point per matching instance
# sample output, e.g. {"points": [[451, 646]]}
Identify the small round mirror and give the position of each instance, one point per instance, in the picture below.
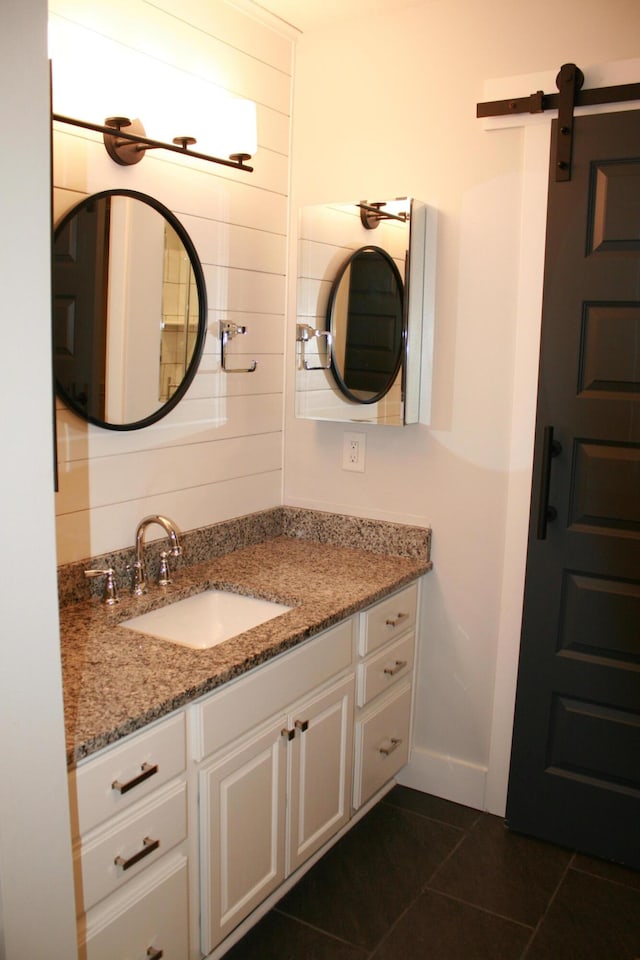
{"points": [[365, 317], [129, 309]]}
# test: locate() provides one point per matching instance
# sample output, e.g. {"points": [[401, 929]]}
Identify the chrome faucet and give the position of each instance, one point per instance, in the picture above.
{"points": [[139, 570]]}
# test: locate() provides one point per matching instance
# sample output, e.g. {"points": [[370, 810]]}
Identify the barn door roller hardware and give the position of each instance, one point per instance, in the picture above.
{"points": [[569, 82]]}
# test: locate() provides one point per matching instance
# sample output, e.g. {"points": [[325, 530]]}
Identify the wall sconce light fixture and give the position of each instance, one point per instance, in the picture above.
{"points": [[372, 213], [126, 142]]}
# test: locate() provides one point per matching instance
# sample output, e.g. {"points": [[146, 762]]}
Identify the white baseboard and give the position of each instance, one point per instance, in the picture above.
{"points": [[446, 777]]}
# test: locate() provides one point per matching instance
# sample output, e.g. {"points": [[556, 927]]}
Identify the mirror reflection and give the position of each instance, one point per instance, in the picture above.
{"points": [[129, 310], [180, 309], [365, 317]]}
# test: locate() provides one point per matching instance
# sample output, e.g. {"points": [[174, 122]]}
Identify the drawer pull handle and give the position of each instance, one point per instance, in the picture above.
{"points": [[147, 769], [154, 954], [149, 846], [302, 725], [288, 734], [395, 743], [396, 668], [394, 621]]}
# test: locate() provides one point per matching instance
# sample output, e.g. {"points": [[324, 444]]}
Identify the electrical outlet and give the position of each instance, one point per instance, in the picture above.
{"points": [[353, 447]]}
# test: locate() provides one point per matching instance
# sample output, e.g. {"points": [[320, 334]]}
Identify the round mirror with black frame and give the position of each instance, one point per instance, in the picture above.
{"points": [[129, 310], [365, 316]]}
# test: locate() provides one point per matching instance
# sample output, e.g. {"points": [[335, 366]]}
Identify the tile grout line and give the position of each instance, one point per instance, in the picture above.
{"points": [[478, 906], [551, 899], [428, 816], [370, 953], [426, 885], [321, 930], [465, 834], [598, 876]]}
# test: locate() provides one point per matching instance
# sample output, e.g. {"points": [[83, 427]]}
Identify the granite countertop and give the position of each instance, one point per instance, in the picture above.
{"points": [[116, 681]]}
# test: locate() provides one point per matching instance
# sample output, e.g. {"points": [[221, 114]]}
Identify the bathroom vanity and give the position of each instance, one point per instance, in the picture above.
{"points": [[204, 782]]}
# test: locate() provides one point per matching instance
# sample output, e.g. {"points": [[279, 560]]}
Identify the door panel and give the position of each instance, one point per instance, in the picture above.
{"points": [[598, 618], [242, 821], [575, 766], [609, 351], [606, 482], [321, 765], [614, 209]]}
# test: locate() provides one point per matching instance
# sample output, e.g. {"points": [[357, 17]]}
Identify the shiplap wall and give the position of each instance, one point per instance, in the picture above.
{"points": [[218, 454]]}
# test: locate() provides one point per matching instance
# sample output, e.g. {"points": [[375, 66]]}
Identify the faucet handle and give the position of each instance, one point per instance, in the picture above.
{"points": [[164, 574], [110, 595]]}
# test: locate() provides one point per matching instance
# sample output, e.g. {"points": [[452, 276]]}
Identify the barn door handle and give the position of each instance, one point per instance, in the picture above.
{"points": [[550, 449]]}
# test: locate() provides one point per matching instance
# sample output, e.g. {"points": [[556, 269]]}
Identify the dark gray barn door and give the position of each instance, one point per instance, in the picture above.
{"points": [[575, 765]]}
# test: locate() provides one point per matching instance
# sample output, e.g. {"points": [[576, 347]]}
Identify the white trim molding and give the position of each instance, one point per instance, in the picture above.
{"points": [[445, 776]]}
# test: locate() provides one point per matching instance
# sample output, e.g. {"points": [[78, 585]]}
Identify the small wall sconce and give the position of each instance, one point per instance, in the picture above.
{"points": [[372, 213], [126, 141]]}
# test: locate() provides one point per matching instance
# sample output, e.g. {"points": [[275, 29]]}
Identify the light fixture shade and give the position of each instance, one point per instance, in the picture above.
{"points": [[398, 207], [242, 127], [222, 125], [227, 126]]}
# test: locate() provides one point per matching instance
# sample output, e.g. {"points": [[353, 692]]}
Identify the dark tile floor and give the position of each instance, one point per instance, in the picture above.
{"points": [[420, 877]]}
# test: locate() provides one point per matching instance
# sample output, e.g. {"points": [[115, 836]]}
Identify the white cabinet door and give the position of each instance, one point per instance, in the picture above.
{"points": [[321, 764], [242, 811]]}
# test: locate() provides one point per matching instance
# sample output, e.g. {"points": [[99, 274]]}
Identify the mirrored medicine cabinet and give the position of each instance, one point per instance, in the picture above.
{"points": [[129, 309], [364, 315]]}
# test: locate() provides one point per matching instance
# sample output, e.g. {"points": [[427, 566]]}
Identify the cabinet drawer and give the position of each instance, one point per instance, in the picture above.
{"points": [[388, 619], [249, 701], [127, 772], [385, 668], [115, 855], [382, 743], [151, 920]]}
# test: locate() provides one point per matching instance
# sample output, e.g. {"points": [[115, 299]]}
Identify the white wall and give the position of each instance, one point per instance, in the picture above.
{"points": [[37, 916], [219, 452], [395, 114]]}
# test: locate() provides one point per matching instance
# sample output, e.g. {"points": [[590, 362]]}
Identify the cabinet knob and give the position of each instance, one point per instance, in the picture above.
{"points": [[395, 743], [154, 954], [302, 725], [288, 734]]}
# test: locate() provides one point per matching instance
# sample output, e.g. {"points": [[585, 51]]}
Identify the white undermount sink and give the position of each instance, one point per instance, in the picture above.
{"points": [[206, 619]]}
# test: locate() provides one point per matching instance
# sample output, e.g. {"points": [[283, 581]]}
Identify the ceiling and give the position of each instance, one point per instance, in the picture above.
{"points": [[307, 15]]}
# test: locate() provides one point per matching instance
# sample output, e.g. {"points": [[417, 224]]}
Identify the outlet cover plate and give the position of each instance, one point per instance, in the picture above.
{"points": [[353, 451]]}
